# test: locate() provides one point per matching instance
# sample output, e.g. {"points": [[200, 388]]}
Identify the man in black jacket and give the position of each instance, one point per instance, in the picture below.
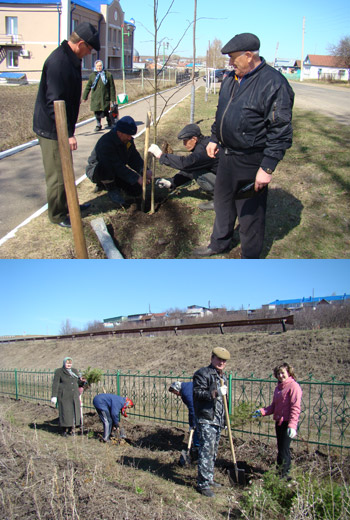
{"points": [[196, 165], [208, 395], [115, 164], [61, 80], [253, 126]]}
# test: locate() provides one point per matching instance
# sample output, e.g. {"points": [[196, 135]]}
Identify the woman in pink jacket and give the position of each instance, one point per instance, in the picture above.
{"points": [[285, 407]]}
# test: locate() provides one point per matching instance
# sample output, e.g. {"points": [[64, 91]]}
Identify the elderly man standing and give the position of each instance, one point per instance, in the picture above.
{"points": [[61, 80], [253, 126], [208, 395], [197, 165]]}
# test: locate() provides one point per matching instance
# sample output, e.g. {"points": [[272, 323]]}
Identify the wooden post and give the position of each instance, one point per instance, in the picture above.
{"points": [[145, 160], [68, 177]]}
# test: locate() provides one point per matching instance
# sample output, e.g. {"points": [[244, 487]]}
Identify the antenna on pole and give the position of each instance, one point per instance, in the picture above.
{"points": [[274, 63]]}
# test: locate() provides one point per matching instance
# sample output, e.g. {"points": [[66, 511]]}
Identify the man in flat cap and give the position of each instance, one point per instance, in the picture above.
{"points": [[61, 80], [208, 395], [253, 126], [196, 165], [115, 164]]}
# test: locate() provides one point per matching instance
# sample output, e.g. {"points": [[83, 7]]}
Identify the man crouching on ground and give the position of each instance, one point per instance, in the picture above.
{"points": [[208, 395], [115, 164]]}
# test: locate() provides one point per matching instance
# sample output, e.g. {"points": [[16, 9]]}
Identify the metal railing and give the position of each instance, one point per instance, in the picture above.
{"points": [[324, 418]]}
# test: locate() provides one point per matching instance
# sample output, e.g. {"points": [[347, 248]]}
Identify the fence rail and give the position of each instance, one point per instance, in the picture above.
{"points": [[220, 325], [324, 419]]}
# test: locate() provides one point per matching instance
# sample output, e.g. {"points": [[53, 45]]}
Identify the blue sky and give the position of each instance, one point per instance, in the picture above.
{"points": [[274, 22], [39, 295]]}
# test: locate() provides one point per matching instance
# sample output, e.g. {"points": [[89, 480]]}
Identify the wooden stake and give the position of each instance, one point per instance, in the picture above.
{"points": [[145, 160], [69, 181]]}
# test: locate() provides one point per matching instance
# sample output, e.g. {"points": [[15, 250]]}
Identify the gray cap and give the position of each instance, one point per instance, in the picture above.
{"points": [[189, 131], [242, 42], [89, 34]]}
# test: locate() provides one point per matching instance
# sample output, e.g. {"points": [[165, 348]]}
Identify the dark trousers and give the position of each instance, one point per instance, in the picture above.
{"points": [[110, 180], [56, 195], [103, 113], [205, 180], [283, 446], [235, 171]]}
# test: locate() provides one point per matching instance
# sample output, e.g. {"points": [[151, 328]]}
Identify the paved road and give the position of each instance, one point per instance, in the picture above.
{"points": [[330, 100], [23, 189], [22, 178]]}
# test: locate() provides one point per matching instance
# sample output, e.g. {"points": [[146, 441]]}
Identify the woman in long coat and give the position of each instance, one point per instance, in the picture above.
{"points": [[101, 84], [65, 392]]}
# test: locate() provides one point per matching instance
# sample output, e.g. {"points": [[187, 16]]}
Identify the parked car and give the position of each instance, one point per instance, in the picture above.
{"points": [[219, 75]]}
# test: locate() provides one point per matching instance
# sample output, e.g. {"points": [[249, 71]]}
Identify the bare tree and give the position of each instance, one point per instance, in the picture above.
{"points": [[342, 53], [214, 57], [67, 328]]}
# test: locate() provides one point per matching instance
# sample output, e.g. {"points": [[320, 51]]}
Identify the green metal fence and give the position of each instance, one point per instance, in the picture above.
{"points": [[324, 419]]}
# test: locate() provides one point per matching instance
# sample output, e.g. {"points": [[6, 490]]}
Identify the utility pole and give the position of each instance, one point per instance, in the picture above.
{"points": [[274, 62], [193, 90], [302, 52]]}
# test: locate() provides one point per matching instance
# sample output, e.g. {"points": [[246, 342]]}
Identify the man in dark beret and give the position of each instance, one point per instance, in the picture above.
{"points": [[196, 165], [61, 80], [115, 165], [253, 127]]}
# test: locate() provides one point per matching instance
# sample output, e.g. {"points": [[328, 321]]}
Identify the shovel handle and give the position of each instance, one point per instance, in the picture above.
{"points": [[190, 439], [227, 417]]}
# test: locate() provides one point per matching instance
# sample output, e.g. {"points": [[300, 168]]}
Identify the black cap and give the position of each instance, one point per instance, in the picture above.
{"points": [[242, 42], [189, 131], [89, 34], [126, 125]]}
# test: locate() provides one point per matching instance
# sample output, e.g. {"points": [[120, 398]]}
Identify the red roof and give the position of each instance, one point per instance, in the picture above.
{"points": [[325, 61]]}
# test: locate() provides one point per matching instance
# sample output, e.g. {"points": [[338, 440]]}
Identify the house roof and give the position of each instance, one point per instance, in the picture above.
{"points": [[311, 300], [319, 60]]}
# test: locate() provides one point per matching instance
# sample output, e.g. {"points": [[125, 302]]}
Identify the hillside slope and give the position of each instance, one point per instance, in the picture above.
{"points": [[324, 353]]}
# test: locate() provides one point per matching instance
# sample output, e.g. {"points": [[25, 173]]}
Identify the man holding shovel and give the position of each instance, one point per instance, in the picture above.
{"points": [[208, 395]]}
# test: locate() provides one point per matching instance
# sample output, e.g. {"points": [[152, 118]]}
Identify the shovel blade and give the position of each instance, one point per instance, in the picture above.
{"points": [[185, 458], [236, 476]]}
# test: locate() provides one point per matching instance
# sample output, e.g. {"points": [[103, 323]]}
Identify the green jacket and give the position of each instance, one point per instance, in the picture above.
{"points": [[102, 95]]}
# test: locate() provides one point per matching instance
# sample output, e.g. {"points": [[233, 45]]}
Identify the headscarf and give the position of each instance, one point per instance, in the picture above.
{"points": [[99, 75], [69, 370], [128, 403]]}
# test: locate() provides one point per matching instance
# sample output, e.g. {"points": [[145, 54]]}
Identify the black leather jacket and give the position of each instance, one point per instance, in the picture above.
{"points": [[60, 80], [205, 380], [255, 115], [197, 160]]}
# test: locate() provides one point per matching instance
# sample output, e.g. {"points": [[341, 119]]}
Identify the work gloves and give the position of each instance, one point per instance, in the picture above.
{"points": [[54, 400], [256, 414], [164, 183], [291, 433], [222, 390], [155, 150]]}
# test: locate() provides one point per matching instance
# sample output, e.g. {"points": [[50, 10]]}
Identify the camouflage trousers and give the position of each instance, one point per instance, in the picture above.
{"points": [[209, 436]]}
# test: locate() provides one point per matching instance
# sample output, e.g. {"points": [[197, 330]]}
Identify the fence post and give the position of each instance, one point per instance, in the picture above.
{"points": [[229, 394], [118, 382], [16, 384]]}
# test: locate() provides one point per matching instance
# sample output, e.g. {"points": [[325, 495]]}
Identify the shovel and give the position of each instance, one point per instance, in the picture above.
{"points": [[185, 457], [239, 474]]}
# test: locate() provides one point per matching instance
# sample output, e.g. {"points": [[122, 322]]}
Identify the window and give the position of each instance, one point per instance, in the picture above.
{"points": [[11, 25], [12, 59]]}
